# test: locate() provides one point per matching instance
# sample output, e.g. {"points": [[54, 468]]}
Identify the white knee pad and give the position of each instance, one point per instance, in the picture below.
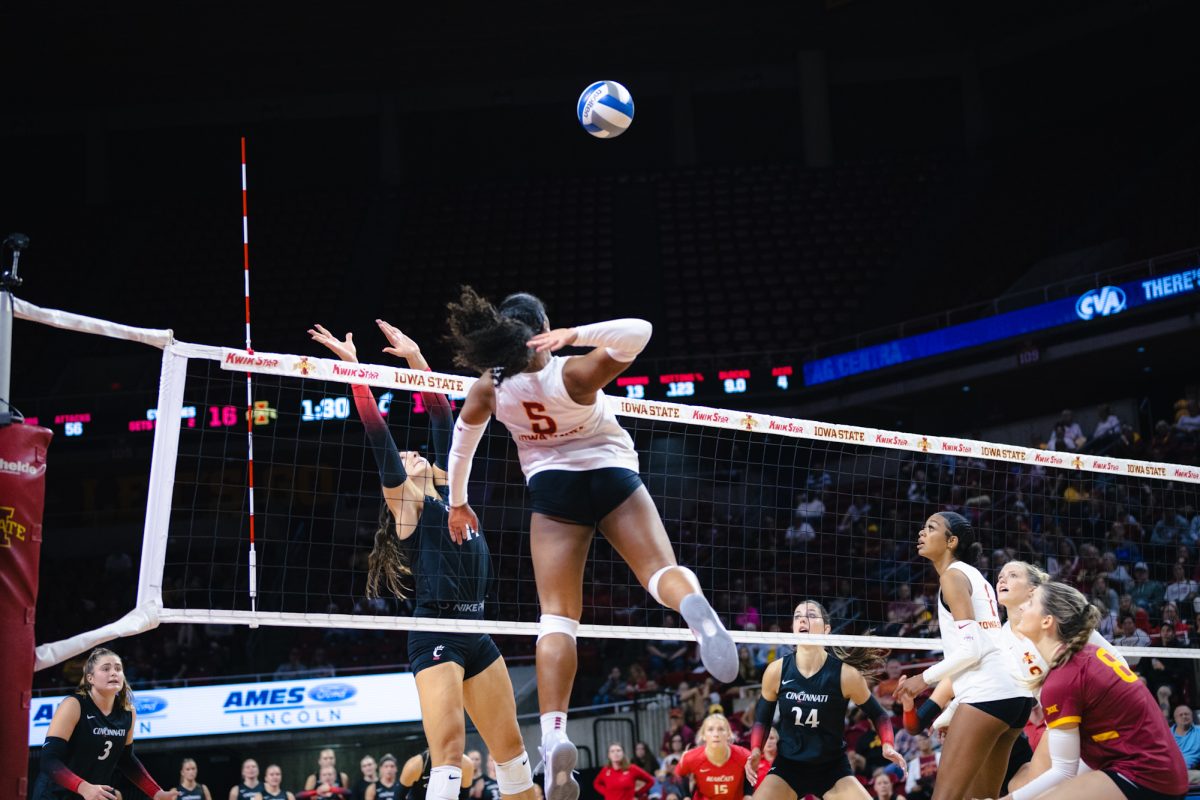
{"points": [[553, 623], [652, 584], [514, 776], [445, 782]]}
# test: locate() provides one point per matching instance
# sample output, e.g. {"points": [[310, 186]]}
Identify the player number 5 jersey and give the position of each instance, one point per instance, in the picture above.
{"points": [[552, 431]]}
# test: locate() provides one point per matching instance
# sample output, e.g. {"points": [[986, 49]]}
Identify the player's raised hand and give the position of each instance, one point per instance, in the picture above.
{"points": [[553, 340], [345, 350], [399, 344], [462, 523]]}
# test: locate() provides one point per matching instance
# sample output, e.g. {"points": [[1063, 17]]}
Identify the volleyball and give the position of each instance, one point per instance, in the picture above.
{"points": [[605, 109]]}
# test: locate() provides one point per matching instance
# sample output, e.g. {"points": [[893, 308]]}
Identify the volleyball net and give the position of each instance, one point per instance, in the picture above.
{"points": [[766, 510]]}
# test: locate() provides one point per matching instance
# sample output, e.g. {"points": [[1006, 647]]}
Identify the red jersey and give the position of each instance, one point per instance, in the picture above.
{"points": [[621, 784], [1120, 725], [764, 766], [725, 782]]}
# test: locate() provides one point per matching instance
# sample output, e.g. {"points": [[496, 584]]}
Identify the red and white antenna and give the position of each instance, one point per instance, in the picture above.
{"points": [[253, 563]]}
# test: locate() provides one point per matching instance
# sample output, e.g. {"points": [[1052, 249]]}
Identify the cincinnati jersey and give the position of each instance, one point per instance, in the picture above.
{"points": [[384, 792], [451, 579], [421, 786], [712, 781], [992, 677], [1120, 725], [195, 793], [812, 712], [97, 742], [255, 792], [280, 795], [552, 431]]}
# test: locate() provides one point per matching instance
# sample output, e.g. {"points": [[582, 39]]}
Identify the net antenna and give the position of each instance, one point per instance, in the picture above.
{"points": [[252, 561]]}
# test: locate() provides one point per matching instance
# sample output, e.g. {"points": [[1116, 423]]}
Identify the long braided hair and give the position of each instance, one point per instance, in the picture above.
{"points": [[1076, 619]]}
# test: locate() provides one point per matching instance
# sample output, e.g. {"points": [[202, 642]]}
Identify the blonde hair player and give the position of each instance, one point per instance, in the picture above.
{"points": [[91, 736], [993, 707], [812, 688], [582, 472], [717, 768], [1014, 586], [1097, 711], [454, 671]]}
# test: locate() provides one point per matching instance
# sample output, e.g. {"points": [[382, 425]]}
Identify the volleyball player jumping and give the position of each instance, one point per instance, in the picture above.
{"points": [[1097, 711], [582, 472], [91, 736], [453, 670], [812, 688], [993, 707]]}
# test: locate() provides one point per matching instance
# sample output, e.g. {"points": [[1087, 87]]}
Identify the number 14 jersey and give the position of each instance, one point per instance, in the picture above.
{"points": [[812, 712]]}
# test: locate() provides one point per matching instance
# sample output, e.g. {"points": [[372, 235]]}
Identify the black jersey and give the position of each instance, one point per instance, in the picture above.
{"points": [[195, 793], [451, 579], [97, 742], [421, 786], [254, 792], [812, 712], [383, 792], [280, 795], [491, 789]]}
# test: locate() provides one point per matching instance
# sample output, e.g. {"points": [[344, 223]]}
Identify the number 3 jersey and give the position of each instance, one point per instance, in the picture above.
{"points": [[812, 712], [552, 431], [97, 742]]}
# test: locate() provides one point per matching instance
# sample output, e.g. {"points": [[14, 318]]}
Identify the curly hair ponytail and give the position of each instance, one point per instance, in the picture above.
{"points": [[488, 338], [387, 566]]}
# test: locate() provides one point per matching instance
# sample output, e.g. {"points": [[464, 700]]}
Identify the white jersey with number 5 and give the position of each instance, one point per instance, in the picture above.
{"points": [[552, 431], [1028, 663], [992, 678]]}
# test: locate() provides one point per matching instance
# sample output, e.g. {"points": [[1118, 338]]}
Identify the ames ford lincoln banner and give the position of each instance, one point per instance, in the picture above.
{"points": [[259, 707]]}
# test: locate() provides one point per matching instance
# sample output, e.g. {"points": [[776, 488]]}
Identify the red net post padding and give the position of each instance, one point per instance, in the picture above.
{"points": [[22, 494]]}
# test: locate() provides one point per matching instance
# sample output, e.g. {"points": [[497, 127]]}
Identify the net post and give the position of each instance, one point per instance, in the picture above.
{"points": [[9, 280], [165, 451]]}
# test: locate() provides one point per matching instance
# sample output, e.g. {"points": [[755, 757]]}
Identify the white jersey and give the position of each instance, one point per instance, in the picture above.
{"points": [[992, 677], [1027, 663], [552, 431]]}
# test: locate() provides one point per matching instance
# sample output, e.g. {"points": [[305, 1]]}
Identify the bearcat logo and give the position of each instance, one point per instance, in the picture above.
{"points": [[1103, 302], [9, 528], [332, 692], [146, 704]]}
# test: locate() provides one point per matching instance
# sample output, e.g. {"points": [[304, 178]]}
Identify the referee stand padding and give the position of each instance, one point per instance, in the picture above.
{"points": [[22, 495]]}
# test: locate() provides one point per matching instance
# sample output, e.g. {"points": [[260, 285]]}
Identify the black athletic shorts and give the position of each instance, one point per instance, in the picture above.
{"points": [[1133, 791], [811, 778], [1013, 711], [583, 498], [474, 652]]}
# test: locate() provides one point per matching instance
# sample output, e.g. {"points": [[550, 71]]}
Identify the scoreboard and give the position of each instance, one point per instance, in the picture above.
{"points": [[706, 388]]}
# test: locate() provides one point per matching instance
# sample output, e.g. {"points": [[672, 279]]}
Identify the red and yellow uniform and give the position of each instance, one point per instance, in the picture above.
{"points": [[1120, 725], [724, 782]]}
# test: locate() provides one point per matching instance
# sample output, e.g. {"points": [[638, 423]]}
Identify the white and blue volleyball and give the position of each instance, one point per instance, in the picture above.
{"points": [[605, 109]]}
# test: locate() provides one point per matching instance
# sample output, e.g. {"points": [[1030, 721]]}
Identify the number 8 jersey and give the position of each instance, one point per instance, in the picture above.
{"points": [[552, 431], [812, 712]]}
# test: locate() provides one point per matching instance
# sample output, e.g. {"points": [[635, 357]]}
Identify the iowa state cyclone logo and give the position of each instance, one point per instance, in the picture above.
{"points": [[9, 527]]}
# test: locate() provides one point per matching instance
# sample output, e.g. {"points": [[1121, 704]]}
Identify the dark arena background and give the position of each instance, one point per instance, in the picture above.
{"points": [[900, 257]]}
